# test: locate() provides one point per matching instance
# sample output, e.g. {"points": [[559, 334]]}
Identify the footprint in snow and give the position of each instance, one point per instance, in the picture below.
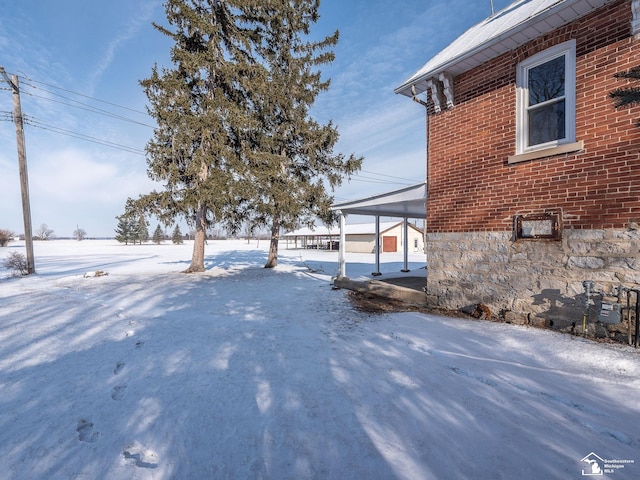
{"points": [[117, 392], [119, 367], [141, 457], [139, 343], [85, 431]]}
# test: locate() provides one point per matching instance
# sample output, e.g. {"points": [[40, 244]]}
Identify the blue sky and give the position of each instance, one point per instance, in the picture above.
{"points": [[100, 50]]}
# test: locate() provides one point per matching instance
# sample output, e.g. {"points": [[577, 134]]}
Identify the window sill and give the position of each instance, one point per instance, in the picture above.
{"points": [[546, 152]]}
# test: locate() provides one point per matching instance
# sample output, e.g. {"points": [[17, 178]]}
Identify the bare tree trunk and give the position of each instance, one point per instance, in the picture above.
{"points": [[272, 259], [197, 258]]}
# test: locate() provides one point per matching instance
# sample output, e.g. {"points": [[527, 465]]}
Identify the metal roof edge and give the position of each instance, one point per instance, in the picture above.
{"points": [[338, 206]]}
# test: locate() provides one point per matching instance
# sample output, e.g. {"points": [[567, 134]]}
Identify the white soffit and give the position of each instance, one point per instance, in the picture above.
{"points": [[408, 202]]}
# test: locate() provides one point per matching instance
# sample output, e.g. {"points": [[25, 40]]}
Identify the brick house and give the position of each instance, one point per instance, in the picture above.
{"points": [[533, 177]]}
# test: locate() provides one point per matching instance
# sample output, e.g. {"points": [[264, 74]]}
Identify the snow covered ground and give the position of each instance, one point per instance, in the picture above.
{"points": [[243, 372]]}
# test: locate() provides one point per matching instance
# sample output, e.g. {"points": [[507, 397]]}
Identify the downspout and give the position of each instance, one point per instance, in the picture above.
{"points": [[426, 202], [415, 98]]}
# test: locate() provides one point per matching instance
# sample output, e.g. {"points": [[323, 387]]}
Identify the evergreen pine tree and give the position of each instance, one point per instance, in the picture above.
{"points": [[176, 237], [158, 235], [142, 230], [234, 139], [291, 155], [123, 230], [200, 108]]}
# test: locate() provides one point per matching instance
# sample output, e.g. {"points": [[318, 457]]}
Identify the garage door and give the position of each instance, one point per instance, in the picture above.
{"points": [[389, 244]]}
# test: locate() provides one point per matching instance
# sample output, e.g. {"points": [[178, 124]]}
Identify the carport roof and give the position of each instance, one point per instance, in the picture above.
{"points": [[408, 202]]}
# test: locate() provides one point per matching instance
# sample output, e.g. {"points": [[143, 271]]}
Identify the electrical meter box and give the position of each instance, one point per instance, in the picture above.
{"points": [[609, 313]]}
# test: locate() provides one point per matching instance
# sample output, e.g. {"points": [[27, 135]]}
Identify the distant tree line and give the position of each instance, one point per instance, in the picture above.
{"points": [[41, 233], [135, 231]]}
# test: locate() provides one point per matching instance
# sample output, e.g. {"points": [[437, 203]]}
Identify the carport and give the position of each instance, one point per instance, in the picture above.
{"points": [[406, 203]]}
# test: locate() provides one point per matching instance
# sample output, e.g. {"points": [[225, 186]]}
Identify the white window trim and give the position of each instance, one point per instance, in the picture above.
{"points": [[568, 49]]}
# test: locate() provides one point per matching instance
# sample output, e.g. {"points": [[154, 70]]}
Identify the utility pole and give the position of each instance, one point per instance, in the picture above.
{"points": [[22, 164]]}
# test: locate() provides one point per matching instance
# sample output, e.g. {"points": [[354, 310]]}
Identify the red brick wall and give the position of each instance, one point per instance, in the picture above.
{"points": [[471, 186]]}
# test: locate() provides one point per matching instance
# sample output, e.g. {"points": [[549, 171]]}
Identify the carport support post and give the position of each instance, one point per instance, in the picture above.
{"points": [[342, 265], [405, 228], [377, 247]]}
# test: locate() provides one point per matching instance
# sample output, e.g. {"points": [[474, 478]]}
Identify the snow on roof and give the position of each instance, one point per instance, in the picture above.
{"points": [[322, 230], [368, 228], [349, 229], [521, 21]]}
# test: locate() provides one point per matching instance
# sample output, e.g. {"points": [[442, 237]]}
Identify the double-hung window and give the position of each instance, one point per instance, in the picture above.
{"points": [[546, 104]]}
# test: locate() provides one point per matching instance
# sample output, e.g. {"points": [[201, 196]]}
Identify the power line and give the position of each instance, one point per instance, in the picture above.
{"points": [[362, 178], [386, 176], [81, 105], [89, 108], [93, 109], [30, 120], [85, 96], [100, 141]]}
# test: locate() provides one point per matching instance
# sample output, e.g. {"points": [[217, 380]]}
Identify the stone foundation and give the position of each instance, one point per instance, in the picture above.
{"points": [[534, 282]]}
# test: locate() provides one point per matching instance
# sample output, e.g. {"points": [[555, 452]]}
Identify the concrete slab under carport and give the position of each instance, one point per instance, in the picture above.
{"points": [[407, 289]]}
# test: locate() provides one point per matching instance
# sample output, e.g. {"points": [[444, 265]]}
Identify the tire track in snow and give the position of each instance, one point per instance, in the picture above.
{"points": [[598, 428], [572, 408]]}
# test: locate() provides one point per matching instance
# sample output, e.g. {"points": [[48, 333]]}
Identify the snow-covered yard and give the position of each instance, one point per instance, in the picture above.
{"points": [[243, 372]]}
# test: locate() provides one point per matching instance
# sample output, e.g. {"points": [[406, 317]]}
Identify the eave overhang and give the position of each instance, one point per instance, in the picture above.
{"points": [[508, 29]]}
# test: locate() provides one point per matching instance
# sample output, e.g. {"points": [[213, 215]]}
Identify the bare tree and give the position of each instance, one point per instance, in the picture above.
{"points": [[79, 234], [5, 237], [18, 262], [44, 233]]}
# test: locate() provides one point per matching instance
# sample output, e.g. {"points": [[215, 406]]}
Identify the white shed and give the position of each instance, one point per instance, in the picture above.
{"points": [[361, 238]]}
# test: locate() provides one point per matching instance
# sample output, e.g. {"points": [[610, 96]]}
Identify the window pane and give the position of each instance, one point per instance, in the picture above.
{"points": [[546, 81], [546, 123]]}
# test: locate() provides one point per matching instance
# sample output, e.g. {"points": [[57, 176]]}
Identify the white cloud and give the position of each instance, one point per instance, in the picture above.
{"points": [[70, 187], [132, 27], [381, 125], [72, 174]]}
